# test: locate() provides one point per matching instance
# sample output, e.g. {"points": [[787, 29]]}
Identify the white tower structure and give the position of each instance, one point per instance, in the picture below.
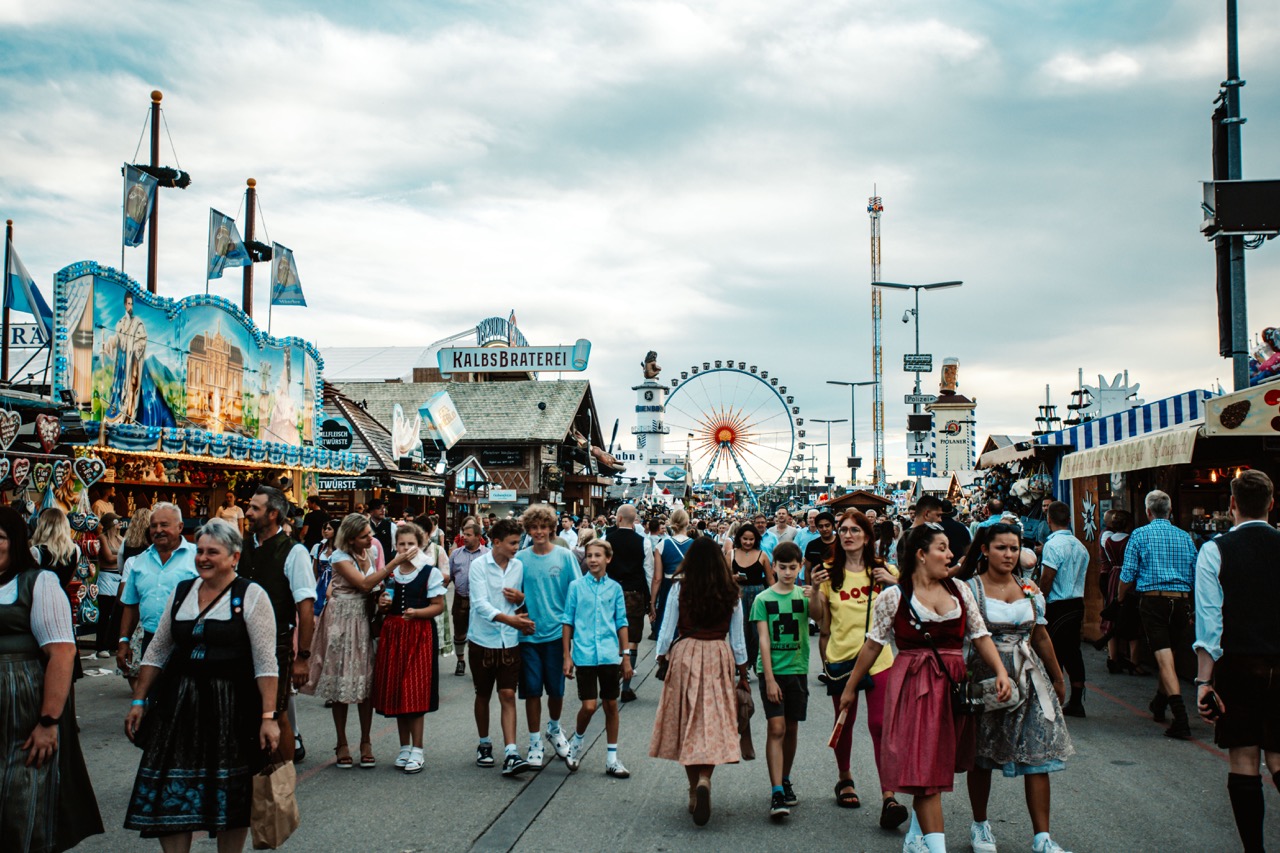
{"points": [[954, 446]]}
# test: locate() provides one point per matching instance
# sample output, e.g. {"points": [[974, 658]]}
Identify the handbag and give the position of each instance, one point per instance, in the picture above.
{"points": [[966, 697], [986, 691], [273, 815]]}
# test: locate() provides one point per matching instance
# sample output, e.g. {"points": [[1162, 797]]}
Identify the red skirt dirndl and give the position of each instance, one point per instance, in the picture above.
{"points": [[406, 680], [924, 745]]}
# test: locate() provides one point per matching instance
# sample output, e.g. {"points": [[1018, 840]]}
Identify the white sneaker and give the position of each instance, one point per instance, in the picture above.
{"points": [[914, 844], [414, 763], [980, 837], [617, 771], [403, 757], [537, 756], [559, 742], [574, 758], [1049, 846], [105, 655]]}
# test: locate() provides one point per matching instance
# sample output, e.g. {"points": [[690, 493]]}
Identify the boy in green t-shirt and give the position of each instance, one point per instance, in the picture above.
{"points": [[781, 614]]}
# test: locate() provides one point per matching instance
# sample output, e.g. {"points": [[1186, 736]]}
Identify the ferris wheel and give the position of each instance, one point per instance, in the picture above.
{"points": [[741, 426]]}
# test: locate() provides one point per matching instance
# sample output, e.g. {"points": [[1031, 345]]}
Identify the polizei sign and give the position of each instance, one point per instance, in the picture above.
{"points": [[514, 359]]}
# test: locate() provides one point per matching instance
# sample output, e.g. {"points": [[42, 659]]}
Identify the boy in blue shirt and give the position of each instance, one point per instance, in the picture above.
{"points": [[595, 632], [548, 572]]}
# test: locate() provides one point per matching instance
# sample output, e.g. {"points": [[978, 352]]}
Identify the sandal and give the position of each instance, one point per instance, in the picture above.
{"points": [[343, 761], [847, 799], [366, 755], [893, 814]]}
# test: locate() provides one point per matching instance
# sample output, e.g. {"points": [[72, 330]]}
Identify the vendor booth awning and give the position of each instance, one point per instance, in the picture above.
{"points": [[1252, 411], [1141, 420], [1173, 447], [1005, 455]]}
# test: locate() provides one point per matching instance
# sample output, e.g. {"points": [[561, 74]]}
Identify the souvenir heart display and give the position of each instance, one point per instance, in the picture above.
{"points": [[41, 473], [90, 469], [48, 430], [10, 422], [91, 522], [4, 469], [76, 520], [21, 468], [61, 473]]}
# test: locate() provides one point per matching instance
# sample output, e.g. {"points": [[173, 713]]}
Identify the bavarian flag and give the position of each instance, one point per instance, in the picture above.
{"points": [[139, 195], [286, 289], [226, 249], [21, 294]]}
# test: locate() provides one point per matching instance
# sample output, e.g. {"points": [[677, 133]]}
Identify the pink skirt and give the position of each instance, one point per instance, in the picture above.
{"points": [[341, 652], [924, 745], [697, 720]]}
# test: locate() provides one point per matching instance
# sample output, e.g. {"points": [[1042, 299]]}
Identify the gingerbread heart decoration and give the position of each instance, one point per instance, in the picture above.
{"points": [[90, 469], [76, 520], [61, 473], [4, 469], [48, 430], [10, 422], [21, 468], [41, 473]]}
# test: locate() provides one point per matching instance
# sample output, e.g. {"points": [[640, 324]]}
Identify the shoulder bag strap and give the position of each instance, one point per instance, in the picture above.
{"points": [[929, 639]]}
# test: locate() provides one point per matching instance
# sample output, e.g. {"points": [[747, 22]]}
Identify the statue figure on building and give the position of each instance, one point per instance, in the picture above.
{"points": [[651, 366]]}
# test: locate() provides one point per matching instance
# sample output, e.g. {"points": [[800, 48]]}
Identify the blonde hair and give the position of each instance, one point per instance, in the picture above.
{"points": [[679, 521], [351, 527], [602, 544], [538, 514], [138, 535], [586, 537], [54, 532]]}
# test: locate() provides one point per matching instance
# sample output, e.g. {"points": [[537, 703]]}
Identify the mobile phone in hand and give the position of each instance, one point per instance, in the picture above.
{"points": [[1215, 709]]}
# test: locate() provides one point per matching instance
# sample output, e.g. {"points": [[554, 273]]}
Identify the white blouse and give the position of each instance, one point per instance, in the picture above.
{"points": [[671, 615], [886, 608], [259, 618], [50, 609], [1018, 612]]}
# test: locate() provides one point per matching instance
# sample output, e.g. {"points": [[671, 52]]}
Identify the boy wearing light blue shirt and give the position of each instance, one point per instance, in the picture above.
{"points": [[594, 634], [548, 572]]}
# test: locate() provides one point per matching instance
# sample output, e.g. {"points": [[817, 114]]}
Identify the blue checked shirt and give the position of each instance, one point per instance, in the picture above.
{"points": [[1160, 557]]}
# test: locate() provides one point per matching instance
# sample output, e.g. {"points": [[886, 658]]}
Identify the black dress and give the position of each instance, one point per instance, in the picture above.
{"points": [[200, 733]]}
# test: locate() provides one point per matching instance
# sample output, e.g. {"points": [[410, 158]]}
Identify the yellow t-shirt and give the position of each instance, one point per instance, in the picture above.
{"points": [[849, 608]]}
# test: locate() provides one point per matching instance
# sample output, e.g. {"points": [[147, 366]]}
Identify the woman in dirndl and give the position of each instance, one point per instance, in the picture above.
{"points": [[406, 680], [46, 799], [697, 721], [1028, 739], [924, 744], [204, 706]]}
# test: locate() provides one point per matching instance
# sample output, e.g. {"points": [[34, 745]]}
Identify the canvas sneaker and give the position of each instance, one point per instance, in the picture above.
{"points": [[617, 771], [789, 793], [981, 839], [574, 758], [1049, 846], [559, 742], [914, 844], [484, 755], [537, 756], [778, 808], [514, 765]]}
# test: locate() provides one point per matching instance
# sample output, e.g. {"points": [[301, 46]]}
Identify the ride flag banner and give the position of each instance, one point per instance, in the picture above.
{"points": [[139, 196], [286, 289], [21, 294], [226, 249]]}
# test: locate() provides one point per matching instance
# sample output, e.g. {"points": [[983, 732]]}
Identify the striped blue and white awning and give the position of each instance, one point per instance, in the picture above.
{"points": [[1141, 420]]}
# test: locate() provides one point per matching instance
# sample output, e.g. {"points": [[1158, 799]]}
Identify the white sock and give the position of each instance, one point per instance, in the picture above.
{"points": [[511, 749], [1040, 839], [577, 738], [611, 756], [485, 740], [553, 727], [914, 829], [534, 739], [936, 842]]}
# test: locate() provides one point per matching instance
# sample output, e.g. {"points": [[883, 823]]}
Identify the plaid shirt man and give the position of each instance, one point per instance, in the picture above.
{"points": [[1160, 557]]}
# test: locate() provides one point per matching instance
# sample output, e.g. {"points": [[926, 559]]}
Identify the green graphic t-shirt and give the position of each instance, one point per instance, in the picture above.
{"points": [[788, 619]]}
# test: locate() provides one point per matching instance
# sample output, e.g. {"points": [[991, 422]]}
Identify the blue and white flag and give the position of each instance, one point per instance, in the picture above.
{"points": [[21, 294], [286, 289], [139, 195], [226, 249]]}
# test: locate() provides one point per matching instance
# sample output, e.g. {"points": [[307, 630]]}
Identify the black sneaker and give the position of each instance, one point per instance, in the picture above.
{"points": [[1178, 730], [1158, 706], [514, 765], [778, 808], [461, 668], [484, 755], [789, 793], [628, 696]]}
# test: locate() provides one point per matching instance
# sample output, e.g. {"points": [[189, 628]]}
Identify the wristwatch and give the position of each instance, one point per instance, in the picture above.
{"points": [[49, 722], [1200, 682], [305, 654], [270, 715]]}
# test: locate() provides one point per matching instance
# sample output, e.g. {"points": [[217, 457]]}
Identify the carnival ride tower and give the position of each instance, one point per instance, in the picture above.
{"points": [[875, 207]]}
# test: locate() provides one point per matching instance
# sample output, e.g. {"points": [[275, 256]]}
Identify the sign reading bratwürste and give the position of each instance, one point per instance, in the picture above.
{"points": [[514, 359]]}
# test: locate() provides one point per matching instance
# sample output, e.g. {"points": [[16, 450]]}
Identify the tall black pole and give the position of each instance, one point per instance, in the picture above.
{"points": [[1235, 245], [8, 262], [153, 245], [250, 203]]}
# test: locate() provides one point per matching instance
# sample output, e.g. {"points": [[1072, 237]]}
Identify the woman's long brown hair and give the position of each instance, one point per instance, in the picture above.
{"points": [[870, 559], [708, 592]]}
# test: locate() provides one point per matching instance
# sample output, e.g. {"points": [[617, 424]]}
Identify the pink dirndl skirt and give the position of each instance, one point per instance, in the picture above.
{"points": [[924, 745], [697, 720]]}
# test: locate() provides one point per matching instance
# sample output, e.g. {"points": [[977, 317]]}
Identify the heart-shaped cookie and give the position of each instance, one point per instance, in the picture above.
{"points": [[10, 422], [4, 469], [91, 522], [76, 520], [61, 473], [21, 468], [90, 469], [41, 473], [48, 430]]}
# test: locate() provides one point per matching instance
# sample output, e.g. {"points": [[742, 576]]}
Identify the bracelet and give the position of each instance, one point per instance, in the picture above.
{"points": [[1203, 683], [142, 702], [125, 639]]}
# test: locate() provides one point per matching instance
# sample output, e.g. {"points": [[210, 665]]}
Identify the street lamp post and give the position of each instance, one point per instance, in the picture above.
{"points": [[828, 422], [915, 313], [853, 424]]}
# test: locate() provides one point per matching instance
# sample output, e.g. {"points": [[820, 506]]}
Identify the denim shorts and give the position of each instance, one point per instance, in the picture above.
{"points": [[541, 669]]}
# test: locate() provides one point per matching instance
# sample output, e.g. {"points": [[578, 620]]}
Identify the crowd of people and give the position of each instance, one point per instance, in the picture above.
{"points": [[956, 642]]}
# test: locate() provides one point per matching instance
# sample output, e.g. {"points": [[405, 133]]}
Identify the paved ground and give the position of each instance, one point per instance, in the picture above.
{"points": [[1127, 789]]}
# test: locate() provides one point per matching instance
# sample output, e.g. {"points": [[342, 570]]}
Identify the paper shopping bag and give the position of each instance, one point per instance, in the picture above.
{"points": [[274, 814]]}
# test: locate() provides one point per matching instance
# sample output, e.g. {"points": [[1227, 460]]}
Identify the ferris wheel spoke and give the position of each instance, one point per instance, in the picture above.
{"points": [[747, 451], [741, 459]]}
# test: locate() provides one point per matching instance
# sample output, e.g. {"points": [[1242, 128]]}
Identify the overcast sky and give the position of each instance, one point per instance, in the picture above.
{"points": [[685, 177]]}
